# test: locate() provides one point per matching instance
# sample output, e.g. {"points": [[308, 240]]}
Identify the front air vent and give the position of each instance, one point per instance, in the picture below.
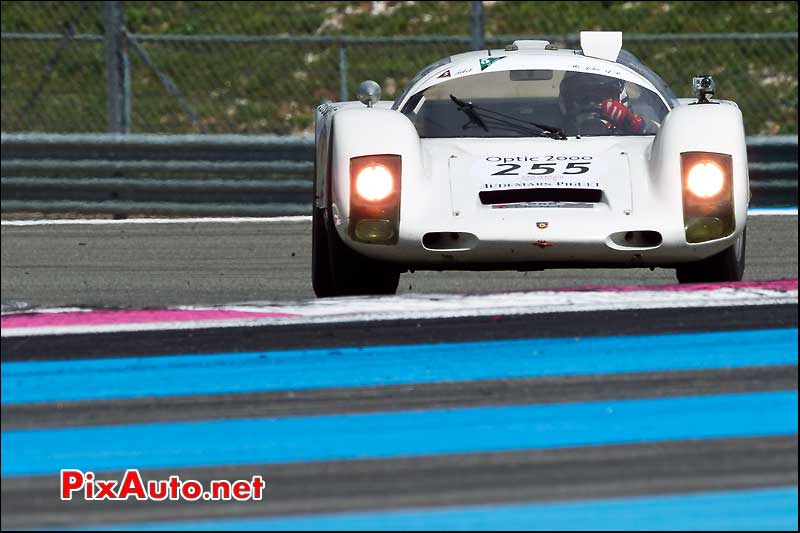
{"points": [[514, 196], [637, 239], [449, 241]]}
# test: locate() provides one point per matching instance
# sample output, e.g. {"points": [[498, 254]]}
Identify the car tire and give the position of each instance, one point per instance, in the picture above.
{"points": [[728, 265], [336, 270], [321, 278]]}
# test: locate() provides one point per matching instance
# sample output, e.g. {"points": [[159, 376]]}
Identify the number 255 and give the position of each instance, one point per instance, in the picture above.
{"points": [[541, 169]]}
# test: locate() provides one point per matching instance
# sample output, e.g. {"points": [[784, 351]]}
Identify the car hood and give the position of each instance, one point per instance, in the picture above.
{"points": [[484, 168]]}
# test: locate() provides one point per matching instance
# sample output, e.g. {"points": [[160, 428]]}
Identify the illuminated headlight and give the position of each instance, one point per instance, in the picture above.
{"points": [[374, 183], [705, 180], [708, 210]]}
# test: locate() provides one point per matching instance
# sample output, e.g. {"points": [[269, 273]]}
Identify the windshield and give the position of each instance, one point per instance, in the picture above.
{"points": [[421, 74], [580, 103], [632, 62]]}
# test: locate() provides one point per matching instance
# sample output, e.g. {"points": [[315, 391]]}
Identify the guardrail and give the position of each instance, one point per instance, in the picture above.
{"points": [[228, 175], [773, 169], [235, 175]]}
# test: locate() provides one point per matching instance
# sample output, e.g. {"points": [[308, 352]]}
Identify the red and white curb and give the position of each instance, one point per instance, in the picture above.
{"points": [[404, 307]]}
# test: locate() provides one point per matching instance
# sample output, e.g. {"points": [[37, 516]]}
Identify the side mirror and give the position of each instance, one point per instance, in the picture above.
{"points": [[369, 93], [703, 87]]}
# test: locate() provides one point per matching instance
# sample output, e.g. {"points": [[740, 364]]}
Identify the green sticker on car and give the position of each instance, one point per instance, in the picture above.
{"points": [[486, 61]]}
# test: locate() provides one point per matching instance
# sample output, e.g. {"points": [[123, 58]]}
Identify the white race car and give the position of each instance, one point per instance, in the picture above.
{"points": [[527, 158]]}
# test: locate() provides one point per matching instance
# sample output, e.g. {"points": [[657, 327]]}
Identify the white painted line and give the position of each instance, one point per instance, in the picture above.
{"points": [[436, 306], [756, 211], [772, 211], [101, 222]]}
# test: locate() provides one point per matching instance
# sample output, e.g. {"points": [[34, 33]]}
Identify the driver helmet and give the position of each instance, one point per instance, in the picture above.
{"points": [[582, 94]]}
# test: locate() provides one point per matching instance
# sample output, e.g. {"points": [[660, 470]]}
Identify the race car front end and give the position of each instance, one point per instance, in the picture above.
{"points": [[526, 159], [542, 203]]}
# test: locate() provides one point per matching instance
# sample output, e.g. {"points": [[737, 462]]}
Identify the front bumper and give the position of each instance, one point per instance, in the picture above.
{"points": [[547, 237]]}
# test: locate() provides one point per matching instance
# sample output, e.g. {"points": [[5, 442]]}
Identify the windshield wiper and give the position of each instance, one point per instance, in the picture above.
{"points": [[470, 108], [503, 124]]}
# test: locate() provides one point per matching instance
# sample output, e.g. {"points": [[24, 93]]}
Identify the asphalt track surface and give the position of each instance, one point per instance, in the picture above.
{"points": [[660, 444], [203, 263]]}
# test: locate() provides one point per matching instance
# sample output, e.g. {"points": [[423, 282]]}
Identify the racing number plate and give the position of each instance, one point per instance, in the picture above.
{"points": [[527, 172]]}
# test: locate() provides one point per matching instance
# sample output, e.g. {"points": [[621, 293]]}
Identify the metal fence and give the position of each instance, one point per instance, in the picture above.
{"points": [[157, 174], [263, 67], [263, 175]]}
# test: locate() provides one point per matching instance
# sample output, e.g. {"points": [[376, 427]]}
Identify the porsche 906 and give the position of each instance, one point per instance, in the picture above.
{"points": [[529, 158]]}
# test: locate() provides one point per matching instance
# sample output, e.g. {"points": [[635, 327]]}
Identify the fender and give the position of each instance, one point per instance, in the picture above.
{"points": [[363, 131], [713, 127]]}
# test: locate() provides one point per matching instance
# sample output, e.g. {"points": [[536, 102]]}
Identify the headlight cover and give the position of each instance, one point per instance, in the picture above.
{"points": [[375, 182], [708, 210]]}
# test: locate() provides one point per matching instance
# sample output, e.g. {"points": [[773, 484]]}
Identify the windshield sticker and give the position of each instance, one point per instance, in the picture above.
{"points": [[486, 61], [616, 73]]}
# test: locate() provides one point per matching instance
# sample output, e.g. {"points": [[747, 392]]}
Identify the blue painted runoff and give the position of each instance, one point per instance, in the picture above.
{"points": [[396, 434], [773, 509], [93, 379]]}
